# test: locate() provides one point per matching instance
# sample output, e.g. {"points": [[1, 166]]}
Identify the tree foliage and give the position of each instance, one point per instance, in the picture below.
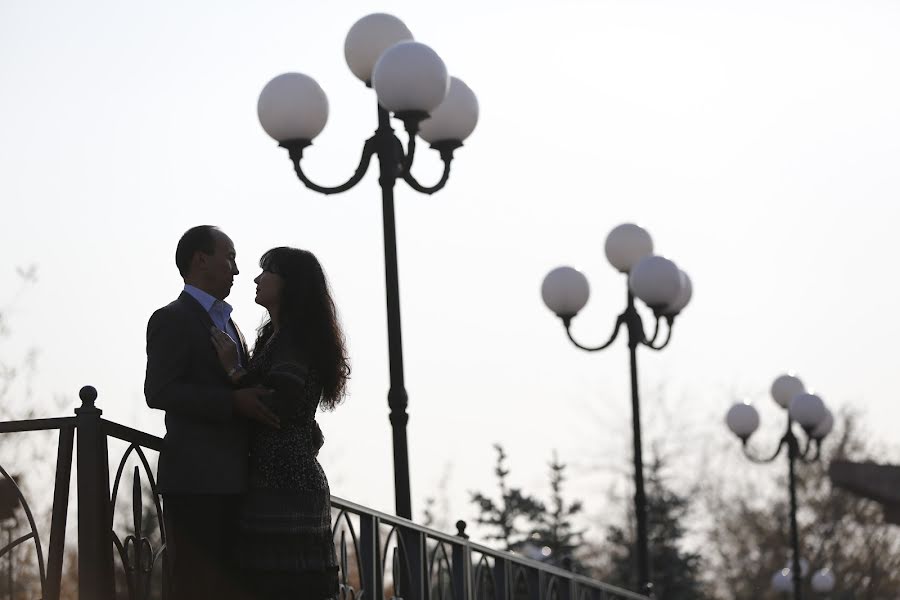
{"points": [[676, 572], [749, 532], [508, 519], [554, 528]]}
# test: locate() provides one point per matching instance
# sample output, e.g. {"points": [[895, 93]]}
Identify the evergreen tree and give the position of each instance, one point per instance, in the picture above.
{"points": [[554, 529], [510, 518], [674, 571]]}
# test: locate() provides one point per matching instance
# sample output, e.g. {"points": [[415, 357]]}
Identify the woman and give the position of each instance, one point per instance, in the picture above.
{"points": [[285, 546]]}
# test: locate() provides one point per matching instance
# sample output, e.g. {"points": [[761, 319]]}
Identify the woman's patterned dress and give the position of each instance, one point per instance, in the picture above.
{"points": [[286, 545]]}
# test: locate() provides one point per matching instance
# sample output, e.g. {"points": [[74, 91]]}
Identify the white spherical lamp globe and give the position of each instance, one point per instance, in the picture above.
{"points": [[823, 581], [808, 410], [565, 291], [824, 427], [410, 77], [455, 118], [626, 244], [292, 107], [369, 38], [781, 581], [656, 281], [684, 296], [742, 419], [785, 387]]}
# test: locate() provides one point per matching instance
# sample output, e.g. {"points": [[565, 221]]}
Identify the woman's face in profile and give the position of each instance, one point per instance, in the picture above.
{"points": [[268, 289]]}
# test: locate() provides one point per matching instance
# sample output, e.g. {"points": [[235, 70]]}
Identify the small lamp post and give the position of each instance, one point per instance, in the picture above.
{"points": [[666, 290], [807, 410], [412, 84]]}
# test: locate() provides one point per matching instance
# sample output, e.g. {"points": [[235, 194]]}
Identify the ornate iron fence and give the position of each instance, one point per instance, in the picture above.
{"points": [[380, 555]]}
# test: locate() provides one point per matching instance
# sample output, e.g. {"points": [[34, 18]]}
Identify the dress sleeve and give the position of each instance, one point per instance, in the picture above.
{"points": [[287, 378]]}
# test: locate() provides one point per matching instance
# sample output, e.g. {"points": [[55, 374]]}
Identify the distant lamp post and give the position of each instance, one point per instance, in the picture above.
{"points": [[808, 411], [666, 290], [412, 85]]}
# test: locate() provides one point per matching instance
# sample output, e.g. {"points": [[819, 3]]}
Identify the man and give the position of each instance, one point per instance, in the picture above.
{"points": [[203, 464]]}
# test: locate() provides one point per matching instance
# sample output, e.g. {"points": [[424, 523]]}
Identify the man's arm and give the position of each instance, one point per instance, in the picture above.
{"points": [[167, 361]]}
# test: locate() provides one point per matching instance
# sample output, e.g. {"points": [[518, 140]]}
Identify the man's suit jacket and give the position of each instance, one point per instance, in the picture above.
{"points": [[205, 449]]}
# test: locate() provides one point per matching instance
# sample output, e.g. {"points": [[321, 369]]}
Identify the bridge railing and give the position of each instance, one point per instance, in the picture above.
{"points": [[380, 555]]}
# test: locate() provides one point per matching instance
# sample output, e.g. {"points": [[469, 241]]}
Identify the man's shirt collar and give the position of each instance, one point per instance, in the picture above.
{"points": [[208, 302]]}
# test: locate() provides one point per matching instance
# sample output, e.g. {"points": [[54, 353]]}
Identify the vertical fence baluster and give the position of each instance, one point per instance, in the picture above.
{"points": [[370, 555], [95, 561], [415, 562], [536, 583], [56, 549], [505, 587], [462, 565]]}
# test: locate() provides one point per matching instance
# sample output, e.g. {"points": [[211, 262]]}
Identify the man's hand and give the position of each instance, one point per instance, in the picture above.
{"points": [[248, 403]]}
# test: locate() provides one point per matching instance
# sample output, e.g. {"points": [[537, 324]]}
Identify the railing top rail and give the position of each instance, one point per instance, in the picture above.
{"points": [[134, 436], [36, 424], [394, 520]]}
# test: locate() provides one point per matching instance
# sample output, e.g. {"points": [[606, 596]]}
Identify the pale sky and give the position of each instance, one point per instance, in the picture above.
{"points": [[758, 142]]}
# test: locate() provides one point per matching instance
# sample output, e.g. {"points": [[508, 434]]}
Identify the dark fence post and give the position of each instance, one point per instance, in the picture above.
{"points": [[372, 577], [505, 586], [462, 564], [415, 563], [95, 559], [56, 550]]}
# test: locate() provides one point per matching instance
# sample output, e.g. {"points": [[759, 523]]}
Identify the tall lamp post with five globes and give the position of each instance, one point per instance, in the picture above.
{"points": [[666, 290], [807, 410], [412, 84]]}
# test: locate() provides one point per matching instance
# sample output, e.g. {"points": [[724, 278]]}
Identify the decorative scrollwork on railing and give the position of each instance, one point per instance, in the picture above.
{"points": [[484, 583], [32, 535], [583, 593], [136, 552], [400, 567], [521, 590], [441, 579], [346, 591], [552, 590], [396, 574]]}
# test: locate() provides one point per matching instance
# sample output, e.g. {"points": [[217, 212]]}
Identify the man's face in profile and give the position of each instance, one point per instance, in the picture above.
{"points": [[220, 267]]}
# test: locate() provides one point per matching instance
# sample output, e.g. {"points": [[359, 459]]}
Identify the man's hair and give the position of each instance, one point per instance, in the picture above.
{"points": [[201, 238]]}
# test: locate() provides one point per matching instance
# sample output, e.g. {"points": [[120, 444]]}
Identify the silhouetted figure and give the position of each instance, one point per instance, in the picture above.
{"points": [[203, 465], [285, 546]]}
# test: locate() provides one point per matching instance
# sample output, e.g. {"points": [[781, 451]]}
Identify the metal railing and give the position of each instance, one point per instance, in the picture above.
{"points": [[380, 555]]}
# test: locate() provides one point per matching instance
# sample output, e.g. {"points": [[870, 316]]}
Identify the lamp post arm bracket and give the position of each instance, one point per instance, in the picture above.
{"points": [[753, 457], [364, 162], [407, 169], [810, 457], [615, 333], [652, 340], [670, 323]]}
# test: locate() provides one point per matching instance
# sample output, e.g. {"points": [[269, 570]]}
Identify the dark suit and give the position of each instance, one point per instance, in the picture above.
{"points": [[203, 464]]}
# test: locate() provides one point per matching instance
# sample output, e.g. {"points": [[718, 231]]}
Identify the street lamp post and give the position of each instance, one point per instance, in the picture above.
{"points": [[412, 85], [807, 410], [665, 289]]}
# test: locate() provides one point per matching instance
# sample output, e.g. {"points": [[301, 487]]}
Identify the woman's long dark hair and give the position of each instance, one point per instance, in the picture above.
{"points": [[307, 313]]}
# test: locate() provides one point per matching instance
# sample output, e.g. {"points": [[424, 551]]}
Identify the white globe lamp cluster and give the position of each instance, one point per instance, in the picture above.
{"points": [[788, 391], [409, 78], [656, 280]]}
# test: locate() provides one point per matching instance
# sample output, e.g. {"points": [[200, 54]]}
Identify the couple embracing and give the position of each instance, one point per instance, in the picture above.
{"points": [[247, 504]]}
